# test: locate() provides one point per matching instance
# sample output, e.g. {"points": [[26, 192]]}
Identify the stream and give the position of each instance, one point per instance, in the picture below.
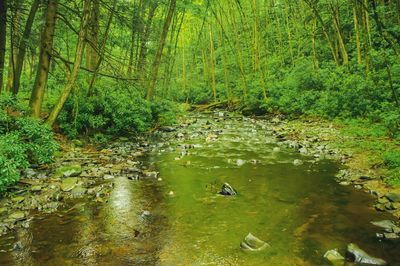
{"points": [[176, 216]]}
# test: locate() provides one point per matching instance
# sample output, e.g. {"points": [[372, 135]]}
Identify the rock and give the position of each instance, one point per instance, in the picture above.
{"points": [[387, 225], [167, 129], [78, 191], [303, 150], [227, 190], [297, 162], [380, 207], [18, 199], [17, 216], [393, 197], [276, 149], [107, 177], [252, 243], [391, 236], [36, 188], [383, 200], [180, 135], [69, 171], [240, 162], [151, 174], [68, 184], [3, 210], [357, 255], [171, 193], [334, 257]]}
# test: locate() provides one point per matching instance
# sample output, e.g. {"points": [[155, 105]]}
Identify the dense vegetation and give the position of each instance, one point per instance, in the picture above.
{"points": [[120, 67]]}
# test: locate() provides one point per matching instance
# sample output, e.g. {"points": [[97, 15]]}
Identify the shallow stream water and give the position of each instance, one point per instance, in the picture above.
{"points": [[179, 219]]}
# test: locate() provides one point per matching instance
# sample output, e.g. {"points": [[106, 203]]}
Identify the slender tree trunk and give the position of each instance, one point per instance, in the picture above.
{"points": [[92, 56], [3, 39], [14, 39], [102, 50], [357, 31], [22, 46], [212, 62], [46, 48], [342, 46], [80, 47], [141, 62], [157, 60]]}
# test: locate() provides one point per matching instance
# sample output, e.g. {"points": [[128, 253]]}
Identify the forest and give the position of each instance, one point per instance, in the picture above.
{"points": [[96, 71]]}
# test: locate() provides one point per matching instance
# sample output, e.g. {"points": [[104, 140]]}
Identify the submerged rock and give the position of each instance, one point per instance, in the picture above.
{"points": [[227, 190], [297, 162], [334, 257], [252, 243], [356, 254]]}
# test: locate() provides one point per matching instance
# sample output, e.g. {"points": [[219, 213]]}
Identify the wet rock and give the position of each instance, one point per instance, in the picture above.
{"points": [[303, 150], [17, 216], [252, 243], [227, 190], [389, 236], [107, 177], [69, 171], [18, 199], [151, 174], [393, 197], [17, 246], [167, 129], [380, 207], [297, 162], [36, 188], [3, 210], [78, 191], [276, 149], [240, 162], [68, 184], [334, 257], [387, 225], [357, 255]]}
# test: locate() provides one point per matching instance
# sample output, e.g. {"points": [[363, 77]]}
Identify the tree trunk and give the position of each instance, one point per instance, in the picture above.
{"points": [[157, 59], [80, 47], [212, 62], [14, 40], [92, 56], [3, 40], [46, 48], [22, 46]]}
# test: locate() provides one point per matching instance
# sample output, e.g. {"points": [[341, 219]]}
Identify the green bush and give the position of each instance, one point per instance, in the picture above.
{"points": [[23, 141], [119, 112], [392, 159]]}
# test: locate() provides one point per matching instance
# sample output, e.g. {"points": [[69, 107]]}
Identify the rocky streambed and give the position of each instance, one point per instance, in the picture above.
{"points": [[155, 201]]}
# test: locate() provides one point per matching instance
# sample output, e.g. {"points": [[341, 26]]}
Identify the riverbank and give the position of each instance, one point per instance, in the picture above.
{"points": [[77, 172], [360, 148]]}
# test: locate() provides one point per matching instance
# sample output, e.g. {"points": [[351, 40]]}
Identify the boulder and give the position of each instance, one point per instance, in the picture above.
{"points": [[227, 190], [357, 255], [252, 243]]}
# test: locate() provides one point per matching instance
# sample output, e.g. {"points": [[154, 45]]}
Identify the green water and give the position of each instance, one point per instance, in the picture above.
{"points": [[300, 211]]}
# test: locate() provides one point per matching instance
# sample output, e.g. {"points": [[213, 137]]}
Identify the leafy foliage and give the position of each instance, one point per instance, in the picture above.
{"points": [[23, 141]]}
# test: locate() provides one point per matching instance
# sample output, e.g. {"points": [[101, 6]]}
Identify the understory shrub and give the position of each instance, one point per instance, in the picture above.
{"points": [[119, 112], [23, 141]]}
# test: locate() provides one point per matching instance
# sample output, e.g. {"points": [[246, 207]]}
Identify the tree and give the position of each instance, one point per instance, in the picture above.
{"points": [[46, 47], [157, 59], [80, 47], [3, 40]]}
